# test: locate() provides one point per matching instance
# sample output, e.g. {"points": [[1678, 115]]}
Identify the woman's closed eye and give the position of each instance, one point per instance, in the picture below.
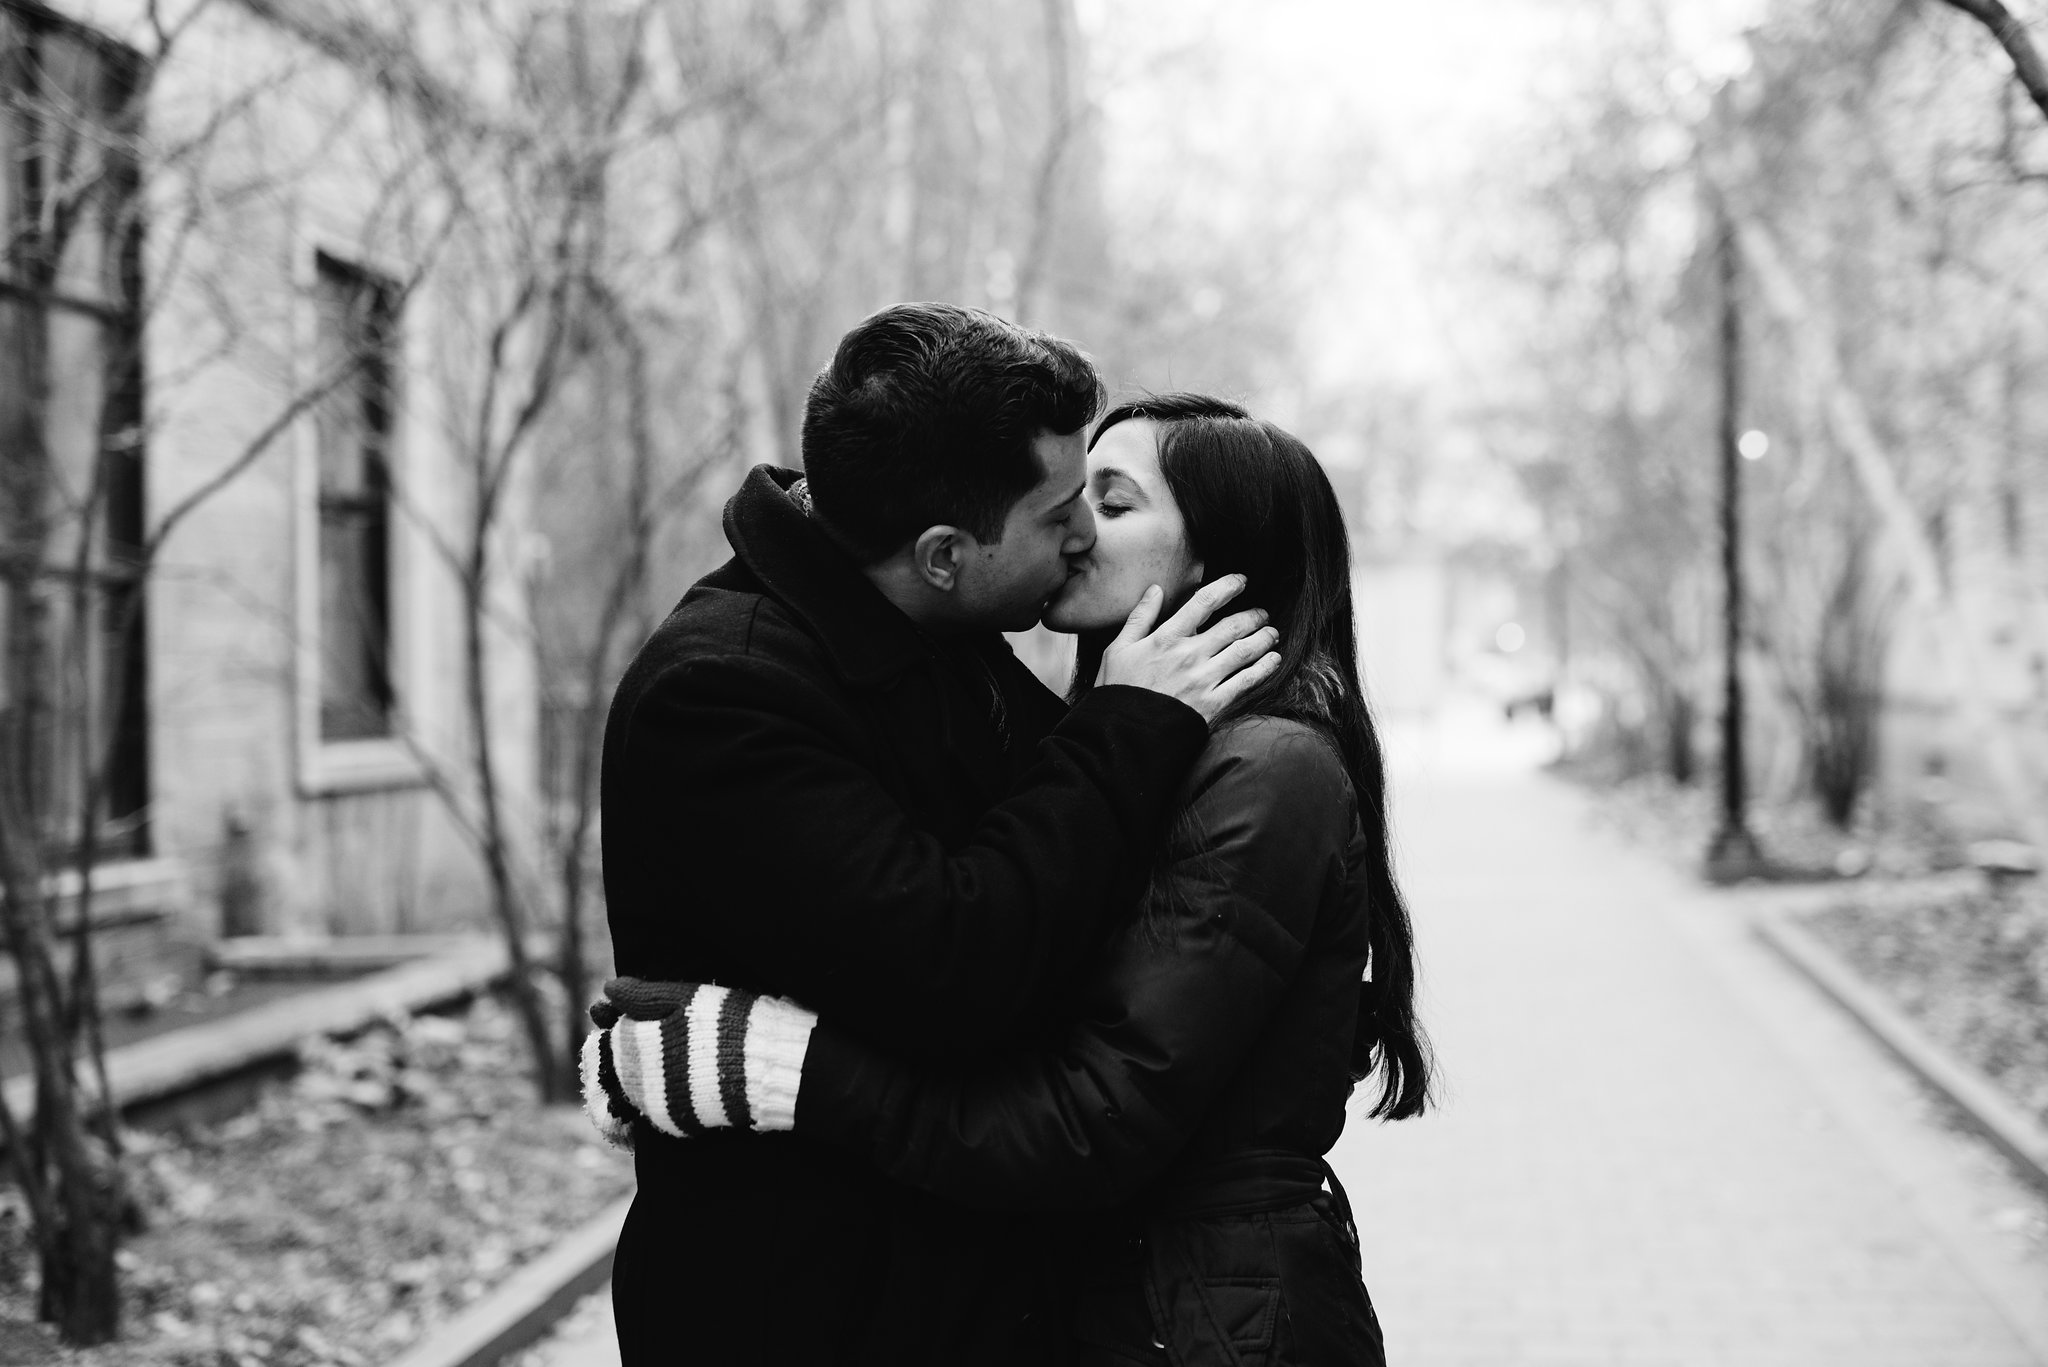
{"points": [[1112, 508]]}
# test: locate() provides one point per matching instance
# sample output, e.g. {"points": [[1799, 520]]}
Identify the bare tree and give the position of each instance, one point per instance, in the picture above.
{"points": [[592, 604], [76, 557], [1960, 639], [1890, 264], [532, 216], [2027, 67], [548, 388], [1613, 376], [1064, 112]]}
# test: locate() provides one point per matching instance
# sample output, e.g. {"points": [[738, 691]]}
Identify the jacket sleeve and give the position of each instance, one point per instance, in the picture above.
{"points": [[863, 913], [1167, 1020]]}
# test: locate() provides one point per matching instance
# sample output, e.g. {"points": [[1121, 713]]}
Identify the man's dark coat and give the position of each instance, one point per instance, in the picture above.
{"points": [[806, 795]]}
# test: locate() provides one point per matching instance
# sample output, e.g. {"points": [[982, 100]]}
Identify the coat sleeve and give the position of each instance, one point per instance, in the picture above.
{"points": [[863, 913], [1168, 1018]]}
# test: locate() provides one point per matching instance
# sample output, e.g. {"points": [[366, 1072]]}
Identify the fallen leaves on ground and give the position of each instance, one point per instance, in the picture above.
{"points": [[1911, 838], [1971, 968], [395, 1179]]}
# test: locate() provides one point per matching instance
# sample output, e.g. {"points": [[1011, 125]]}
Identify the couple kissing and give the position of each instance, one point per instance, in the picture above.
{"points": [[957, 1021]]}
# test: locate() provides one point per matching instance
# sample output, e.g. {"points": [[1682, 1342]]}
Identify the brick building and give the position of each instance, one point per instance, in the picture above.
{"points": [[238, 332]]}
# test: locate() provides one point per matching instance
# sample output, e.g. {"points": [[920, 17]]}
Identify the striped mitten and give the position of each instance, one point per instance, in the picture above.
{"points": [[691, 1057]]}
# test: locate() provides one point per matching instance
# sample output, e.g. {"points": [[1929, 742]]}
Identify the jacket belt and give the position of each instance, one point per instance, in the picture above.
{"points": [[1242, 1184]]}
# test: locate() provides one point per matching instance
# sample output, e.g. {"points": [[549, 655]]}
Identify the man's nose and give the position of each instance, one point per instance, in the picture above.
{"points": [[1080, 531]]}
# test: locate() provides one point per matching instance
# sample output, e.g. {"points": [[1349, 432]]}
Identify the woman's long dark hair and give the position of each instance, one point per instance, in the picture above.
{"points": [[1255, 501]]}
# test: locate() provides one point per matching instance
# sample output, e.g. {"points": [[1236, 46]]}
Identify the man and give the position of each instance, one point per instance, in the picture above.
{"points": [[827, 777]]}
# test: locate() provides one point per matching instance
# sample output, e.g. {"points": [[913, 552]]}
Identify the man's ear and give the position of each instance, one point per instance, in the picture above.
{"points": [[937, 556]]}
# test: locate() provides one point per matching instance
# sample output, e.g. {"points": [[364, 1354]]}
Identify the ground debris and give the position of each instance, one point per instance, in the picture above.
{"points": [[1970, 967], [1911, 838], [395, 1179]]}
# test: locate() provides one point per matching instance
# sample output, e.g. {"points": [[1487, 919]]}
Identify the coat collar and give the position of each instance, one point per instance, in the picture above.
{"points": [[868, 637]]}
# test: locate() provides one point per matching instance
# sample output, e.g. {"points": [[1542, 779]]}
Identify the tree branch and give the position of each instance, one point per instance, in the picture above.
{"points": [[280, 423], [387, 59], [2012, 35], [1060, 131]]}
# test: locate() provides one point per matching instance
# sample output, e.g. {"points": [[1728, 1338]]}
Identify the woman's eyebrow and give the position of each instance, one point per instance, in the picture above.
{"points": [[1110, 472]]}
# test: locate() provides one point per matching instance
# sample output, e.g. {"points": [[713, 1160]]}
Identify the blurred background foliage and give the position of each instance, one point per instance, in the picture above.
{"points": [[1476, 253], [1468, 253]]}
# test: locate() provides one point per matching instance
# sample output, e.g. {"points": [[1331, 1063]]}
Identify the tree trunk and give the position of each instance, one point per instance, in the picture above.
{"points": [[570, 966], [1059, 131], [1680, 758], [1848, 674], [526, 999], [67, 1186], [70, 1188], [80, 1284]]}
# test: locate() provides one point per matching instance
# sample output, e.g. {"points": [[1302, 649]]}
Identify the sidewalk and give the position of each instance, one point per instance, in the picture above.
{"points": [[586, 1337], [1657, 1145]]}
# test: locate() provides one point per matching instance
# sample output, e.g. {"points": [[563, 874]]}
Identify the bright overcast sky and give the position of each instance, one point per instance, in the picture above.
{"points": [[1421, 94], [1290, 101], [1428, 76]]}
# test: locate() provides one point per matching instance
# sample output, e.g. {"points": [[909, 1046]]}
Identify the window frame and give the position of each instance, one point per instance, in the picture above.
{"points": [[326, 766], [118, 666]]}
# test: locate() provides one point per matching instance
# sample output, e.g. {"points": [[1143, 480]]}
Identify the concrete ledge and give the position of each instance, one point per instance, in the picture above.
{"points": [[1987, 1109], [122, 886], [531, 1300], [256, 956], [180, 1060]]}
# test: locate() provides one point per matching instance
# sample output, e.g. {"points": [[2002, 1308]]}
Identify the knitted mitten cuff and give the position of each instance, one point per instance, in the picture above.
{"points": [[690, 1057]]}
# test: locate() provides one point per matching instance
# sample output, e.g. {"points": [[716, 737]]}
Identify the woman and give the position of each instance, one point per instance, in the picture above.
{"points": [[1192, 1086]]}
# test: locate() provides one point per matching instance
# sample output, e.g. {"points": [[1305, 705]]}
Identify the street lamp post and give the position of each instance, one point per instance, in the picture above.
{"points": [[1733, 854]]}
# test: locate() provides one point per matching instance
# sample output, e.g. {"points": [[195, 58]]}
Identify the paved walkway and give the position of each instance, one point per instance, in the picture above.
{"points": [[1658, 1147], [586, 1337]]}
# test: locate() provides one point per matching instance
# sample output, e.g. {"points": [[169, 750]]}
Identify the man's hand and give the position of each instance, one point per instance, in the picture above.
{"points": [[1207, 670]]}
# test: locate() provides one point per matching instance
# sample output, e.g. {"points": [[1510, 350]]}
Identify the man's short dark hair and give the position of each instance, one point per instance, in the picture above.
{"points": [[926, 416]]}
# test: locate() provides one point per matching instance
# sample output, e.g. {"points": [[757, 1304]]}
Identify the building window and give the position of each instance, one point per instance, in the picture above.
{"points": [[356, 326], [72, 416]]}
